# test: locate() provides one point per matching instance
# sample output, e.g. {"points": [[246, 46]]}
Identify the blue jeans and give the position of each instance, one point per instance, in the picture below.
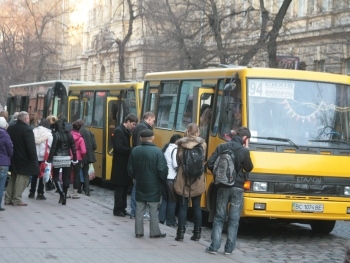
{"points": [[3, 176], [225, 196], [167, 207], [133, 200], [197, 212]]}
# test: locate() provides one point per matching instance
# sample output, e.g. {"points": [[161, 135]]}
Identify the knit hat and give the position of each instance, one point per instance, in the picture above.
{"points": [[146, 133], [3, 123]]}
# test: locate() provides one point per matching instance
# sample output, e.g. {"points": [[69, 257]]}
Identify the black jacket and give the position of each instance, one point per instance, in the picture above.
{"points": [[90, 143], [142, 125], [121, 153], [62, 145], [243, 163], [24, 160]]}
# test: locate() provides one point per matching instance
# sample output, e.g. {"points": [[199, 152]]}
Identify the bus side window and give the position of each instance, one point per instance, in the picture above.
{"points": [[167, 105], [99, 114], [74, 110], [185, 108], [88, 104]]}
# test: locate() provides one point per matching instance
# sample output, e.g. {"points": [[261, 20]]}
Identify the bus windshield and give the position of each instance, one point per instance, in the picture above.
{"points": [[304, 112]]}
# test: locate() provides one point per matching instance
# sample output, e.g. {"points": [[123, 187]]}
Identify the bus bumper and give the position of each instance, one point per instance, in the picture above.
{"points": [[296, 209]]}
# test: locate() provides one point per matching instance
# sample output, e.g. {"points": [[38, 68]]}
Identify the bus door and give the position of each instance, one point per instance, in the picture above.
{"points": [[117, 109], [204, 105], [113, 120]]}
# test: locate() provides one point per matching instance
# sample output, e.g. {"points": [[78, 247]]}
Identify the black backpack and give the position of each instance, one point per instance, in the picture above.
{"points": [[193, 162]]}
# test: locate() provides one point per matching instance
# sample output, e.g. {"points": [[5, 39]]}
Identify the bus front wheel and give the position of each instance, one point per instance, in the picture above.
{"points": [[322, 226]]}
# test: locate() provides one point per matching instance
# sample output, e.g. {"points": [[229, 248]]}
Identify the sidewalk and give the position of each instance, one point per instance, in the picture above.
{"points": [[85, 230]]}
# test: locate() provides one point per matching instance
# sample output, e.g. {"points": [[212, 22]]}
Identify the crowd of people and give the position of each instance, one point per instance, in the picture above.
{"points": [[28, 142], [160, 174]]}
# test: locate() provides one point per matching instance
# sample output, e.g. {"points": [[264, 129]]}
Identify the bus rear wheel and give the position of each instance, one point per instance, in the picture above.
{"points": [[322, 226]]}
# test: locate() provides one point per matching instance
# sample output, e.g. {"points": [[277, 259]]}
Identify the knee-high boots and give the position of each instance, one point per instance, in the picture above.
{"points": [[65, 189], [60, 191]]}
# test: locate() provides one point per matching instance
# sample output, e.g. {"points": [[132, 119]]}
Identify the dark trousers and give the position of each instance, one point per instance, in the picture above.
{"points": [[120, 198], [65, 176], [197, 212], [76, 178], [34, 183], [85, 167]]}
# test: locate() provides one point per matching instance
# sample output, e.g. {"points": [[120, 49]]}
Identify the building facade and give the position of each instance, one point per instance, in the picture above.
{"points": [[315, 34]]}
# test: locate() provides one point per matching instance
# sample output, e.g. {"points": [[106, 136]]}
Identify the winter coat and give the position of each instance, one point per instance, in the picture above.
{"points": [[79, 145], [41, 135], [170, 157], [142, 125], [243, 163], [62, 145], [121, 153], [193, 187], [90, 144], [24, 160], [147, 165], [6, 148]]}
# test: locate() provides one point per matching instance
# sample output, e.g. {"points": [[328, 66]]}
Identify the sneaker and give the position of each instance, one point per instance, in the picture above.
{"points": [[146, 217], [227, 253], [208, 250], [40, 197], [31, 195]]}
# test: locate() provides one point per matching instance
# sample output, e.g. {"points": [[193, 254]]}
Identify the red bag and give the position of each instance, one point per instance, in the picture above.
{"points": [[43, 164]]}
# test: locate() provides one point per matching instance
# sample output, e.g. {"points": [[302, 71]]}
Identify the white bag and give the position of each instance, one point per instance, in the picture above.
{"points": [[47, 173], [91, 172]]}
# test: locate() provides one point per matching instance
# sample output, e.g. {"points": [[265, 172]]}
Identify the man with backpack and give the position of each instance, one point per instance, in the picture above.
{"points": [[190, 179], [229, 191]]}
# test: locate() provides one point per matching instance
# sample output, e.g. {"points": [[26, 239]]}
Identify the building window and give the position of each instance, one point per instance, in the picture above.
{"points": [[301, 11], [311, 6], [319, 65], [323, 5], [347, 66]]}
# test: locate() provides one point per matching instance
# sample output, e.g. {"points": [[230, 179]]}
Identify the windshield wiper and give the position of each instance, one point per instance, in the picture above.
{"points": [[333, 141], [278, 139]]}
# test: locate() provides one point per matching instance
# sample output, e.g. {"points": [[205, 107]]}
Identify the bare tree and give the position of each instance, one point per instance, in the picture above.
{"points": [[122, 42], [209, 32], [31, 41]]}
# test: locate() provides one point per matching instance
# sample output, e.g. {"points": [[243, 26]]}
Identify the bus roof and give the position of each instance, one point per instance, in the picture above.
{"points": [[49, 82], [249, 72], [105, 85]]}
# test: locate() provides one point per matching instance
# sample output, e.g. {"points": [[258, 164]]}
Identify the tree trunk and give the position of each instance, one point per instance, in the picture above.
{"points": [[273, 34]]}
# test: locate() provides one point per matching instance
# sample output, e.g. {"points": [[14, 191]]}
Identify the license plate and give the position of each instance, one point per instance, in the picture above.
{"points": [[307, 207]]}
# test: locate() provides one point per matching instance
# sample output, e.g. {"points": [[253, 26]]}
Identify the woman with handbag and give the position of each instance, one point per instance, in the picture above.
{"points": [[43, 142], [81, 152], [60, 157]]}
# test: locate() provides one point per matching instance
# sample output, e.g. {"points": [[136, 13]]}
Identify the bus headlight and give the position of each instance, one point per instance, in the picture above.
{"points": [[347, 190], [260, 186]]}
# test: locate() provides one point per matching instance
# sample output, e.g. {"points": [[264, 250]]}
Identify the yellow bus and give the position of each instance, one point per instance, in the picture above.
{"points": [[102, 107], [300, 125]]}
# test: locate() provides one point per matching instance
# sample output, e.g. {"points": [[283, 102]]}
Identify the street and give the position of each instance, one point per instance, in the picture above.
{"points": [[276, 243]]}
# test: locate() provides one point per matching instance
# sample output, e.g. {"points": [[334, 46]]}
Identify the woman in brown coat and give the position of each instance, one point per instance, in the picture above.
{"points": [[188, 188]]}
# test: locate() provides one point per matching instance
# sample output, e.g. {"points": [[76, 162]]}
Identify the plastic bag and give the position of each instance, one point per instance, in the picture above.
{"points": [[47, 172], [91, 172]]}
